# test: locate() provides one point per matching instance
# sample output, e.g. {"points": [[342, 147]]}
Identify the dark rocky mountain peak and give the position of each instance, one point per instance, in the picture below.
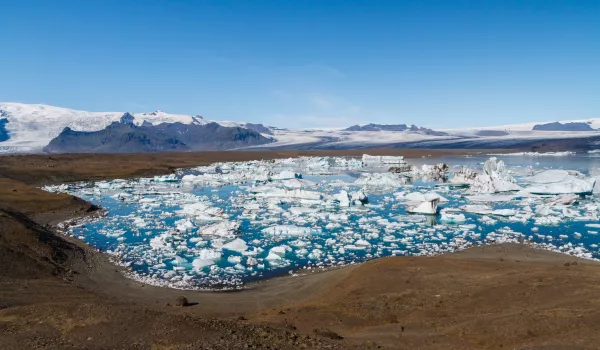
{"points": [[127, 118], [128, 138], [557, 126]]}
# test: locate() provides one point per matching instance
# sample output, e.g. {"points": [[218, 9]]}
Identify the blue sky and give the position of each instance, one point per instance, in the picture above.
{"points": [[308, 63]]}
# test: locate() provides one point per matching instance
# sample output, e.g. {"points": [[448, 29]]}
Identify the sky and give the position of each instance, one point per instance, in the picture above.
{"points": [[308, 64]]}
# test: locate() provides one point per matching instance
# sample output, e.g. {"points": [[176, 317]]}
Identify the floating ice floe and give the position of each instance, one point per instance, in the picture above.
{"points": [[536, 154], [368, 160], [452, 218], [431, 172], [221, 229], [381, 180], [283, 193], [166, 178], [288, 230], [421, 197], [237, 245], [286, 175], [560, 182]]}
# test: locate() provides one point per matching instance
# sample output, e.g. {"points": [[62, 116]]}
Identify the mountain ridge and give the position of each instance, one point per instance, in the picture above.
{"points": [[126, 137]]}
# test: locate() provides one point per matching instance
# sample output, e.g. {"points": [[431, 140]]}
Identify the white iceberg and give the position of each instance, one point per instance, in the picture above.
{"points": [[367, 159], [452, 218], [343, 198], [560, 182], [381, 180], [237, 245], [427, 207], [285, 175], [288, 230], [494, 179], [222, 229]]}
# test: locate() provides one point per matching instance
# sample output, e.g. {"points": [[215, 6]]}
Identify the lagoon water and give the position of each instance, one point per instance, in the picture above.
{"points": [[153, 227]]}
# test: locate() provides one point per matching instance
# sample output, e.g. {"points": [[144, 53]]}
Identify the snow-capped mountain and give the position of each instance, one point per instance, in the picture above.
{"points": [[30, 127]]}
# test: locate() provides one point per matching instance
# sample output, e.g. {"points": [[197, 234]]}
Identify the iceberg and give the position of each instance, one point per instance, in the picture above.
{"points": [[381, 180], [237, 245], [554, 182], [494, 179], [166, 178], [282, 193], [206, 257], [433, 172], [285, 175], [480, 209], [367, 159], [288, 230], [428, 207], [423, 197], [359, 197], [343, 198], [452, 218], [222, 229]]}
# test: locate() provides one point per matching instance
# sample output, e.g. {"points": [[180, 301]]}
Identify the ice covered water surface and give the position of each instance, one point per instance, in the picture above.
{"points": [[231, 223]]}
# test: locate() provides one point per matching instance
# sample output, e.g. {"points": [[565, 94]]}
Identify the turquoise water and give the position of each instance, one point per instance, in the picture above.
{"points": [[338, 236]]}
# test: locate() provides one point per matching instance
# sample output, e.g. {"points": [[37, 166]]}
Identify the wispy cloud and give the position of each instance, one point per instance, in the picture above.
{"points": [[320, 110]]}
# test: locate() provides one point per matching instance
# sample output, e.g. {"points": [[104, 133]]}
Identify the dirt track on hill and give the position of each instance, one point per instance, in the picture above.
{"points": [[58, 293]]}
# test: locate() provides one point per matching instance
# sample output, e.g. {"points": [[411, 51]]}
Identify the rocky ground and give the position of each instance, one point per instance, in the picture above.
{"points": [[57, 293]]}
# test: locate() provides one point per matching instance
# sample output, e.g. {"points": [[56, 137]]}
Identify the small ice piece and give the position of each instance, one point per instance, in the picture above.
{"points": [[206, 257], [201, 263], [166, 178], [388, 180], [293, 183], [452, 218], [278, 253], [184, 225], [302, 210], [359, 196], [282, 193], [202, 210], [287, 230], [237, 245], [139, 222], [273, 257], [433, 172], [179, 260], [504, 212], [285, 175], [423, 197], [491, 198], [234, 259], [368, 160], [481, 209], [362, 243], [563, 199], [222, 229]]}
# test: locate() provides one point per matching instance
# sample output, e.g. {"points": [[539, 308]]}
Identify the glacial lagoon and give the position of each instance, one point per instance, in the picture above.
{"points": [[228, 224]]}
